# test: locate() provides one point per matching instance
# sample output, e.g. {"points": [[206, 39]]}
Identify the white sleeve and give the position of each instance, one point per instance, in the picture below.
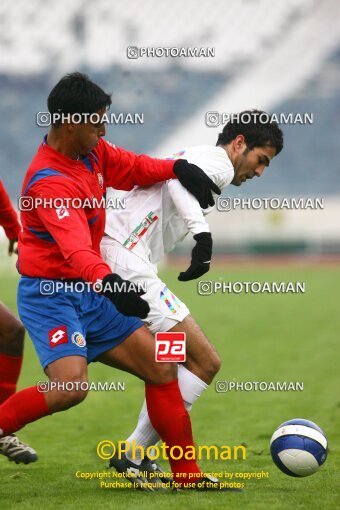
{"points": [[216, 164], [188, 207]]}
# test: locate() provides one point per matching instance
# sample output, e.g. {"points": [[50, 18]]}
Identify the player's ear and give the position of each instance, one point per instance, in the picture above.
{"points": [[239, 143]]}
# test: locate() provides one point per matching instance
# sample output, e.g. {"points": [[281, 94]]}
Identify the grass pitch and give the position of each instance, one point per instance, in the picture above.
{"points": [[260, 337]]}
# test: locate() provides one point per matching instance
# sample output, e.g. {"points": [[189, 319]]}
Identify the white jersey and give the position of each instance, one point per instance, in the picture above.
{"points": [[156, 218]]}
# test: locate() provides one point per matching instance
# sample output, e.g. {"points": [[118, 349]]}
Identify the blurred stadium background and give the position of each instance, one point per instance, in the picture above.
{"points": [[277, 56]]}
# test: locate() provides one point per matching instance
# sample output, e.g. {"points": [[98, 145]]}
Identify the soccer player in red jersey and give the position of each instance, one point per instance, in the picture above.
{"points": [[59, 244], [12, 334]]}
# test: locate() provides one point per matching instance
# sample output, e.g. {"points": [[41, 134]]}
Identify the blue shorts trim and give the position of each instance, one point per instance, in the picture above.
{"points": [[69, 323]]}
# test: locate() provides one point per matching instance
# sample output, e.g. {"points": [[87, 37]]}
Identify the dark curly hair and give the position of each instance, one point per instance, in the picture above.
{"points": [[76, 93], [257, 128]]}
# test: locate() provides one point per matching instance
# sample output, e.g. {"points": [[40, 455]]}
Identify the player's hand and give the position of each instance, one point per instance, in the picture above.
{"points": [[127, 301], [12, 247], [200, 257], [197, 182]]}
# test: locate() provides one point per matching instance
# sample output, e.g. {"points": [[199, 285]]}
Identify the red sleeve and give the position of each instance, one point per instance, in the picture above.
{"points": [[8, 216], [124, 169], [70, 230]]}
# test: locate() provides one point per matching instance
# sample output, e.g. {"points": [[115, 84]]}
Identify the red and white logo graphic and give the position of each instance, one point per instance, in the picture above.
{"points": [[170, 347], [58, 336], [111, 144], [62, 212]]}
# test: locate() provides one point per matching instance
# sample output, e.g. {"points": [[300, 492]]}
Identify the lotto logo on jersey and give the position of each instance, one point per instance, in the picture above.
{"points": [[62, 212], [170, 347], [58, 336]]}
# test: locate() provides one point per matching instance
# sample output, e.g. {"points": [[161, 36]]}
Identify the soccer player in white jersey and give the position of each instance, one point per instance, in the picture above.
{"points": [[154, 220]]}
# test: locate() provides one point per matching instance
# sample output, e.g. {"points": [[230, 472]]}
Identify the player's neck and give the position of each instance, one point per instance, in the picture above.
{"points": [[228, 151], [57, 141]]}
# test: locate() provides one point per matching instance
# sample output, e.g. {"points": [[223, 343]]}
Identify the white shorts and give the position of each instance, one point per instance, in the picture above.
{"points": [[166, 310]]}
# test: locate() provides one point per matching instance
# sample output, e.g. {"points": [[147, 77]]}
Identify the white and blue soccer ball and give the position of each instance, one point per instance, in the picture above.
{"points": [[298, 447]]}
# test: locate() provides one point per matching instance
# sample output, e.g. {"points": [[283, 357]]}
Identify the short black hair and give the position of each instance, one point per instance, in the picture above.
{"points": [[76, 93], [257, 128]]}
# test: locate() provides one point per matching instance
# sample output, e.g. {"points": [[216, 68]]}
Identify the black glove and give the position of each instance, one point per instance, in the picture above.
{"points": [[200, 257], [196, 181], [128, 302]]}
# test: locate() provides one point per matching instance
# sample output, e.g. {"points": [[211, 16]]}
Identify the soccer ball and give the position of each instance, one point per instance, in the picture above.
{"points": [[298, 447]]}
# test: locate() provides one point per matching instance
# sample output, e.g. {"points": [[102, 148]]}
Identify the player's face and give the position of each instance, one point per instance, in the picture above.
{"points": [[87, 135], [251, 163]]}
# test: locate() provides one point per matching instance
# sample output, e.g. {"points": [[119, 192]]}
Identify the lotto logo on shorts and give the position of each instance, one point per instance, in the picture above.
{"points": [[58, 336], [170, 347]]}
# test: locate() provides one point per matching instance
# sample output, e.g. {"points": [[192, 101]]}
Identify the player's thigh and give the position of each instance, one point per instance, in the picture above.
{"points": [[69, 368], [137, 356], [12, 332], [126, 263], [166, 310], [202, 356]]}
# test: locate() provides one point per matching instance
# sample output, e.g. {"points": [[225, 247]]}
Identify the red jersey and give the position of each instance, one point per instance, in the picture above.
{"points": [[64, 242], [8, 216]]}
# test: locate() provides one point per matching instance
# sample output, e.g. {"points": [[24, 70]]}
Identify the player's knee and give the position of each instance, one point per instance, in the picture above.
{"points": [[164, 373], [18, 336], [76, 396], [12, 338], [205, 367], [66, 399], [213, 365]]}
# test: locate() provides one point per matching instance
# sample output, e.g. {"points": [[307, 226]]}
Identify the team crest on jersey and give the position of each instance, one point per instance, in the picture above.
{"points": [[78, 339], [100, 179]]}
